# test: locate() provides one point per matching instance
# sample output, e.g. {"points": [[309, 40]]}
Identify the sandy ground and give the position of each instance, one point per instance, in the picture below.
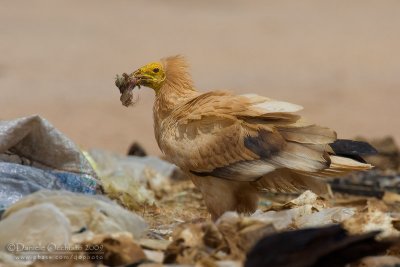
{"points": [[339, 59]]}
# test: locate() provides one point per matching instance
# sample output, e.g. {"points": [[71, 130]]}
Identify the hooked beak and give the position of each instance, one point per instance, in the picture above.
{"points": [[140, 78], [136, 74]]}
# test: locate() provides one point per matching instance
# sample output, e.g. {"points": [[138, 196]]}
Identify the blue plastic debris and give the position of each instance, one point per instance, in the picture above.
{"points": [[34, 156]]}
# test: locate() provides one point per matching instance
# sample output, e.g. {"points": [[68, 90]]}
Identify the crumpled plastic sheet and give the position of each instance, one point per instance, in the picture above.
{"points": [[86, 214], [19, 180], [110, 164], [40, 224], [62, 219], [132, 181], [34, 155]]}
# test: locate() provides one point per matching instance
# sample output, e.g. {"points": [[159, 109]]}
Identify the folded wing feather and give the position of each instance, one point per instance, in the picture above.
{"points": [[244, 137]]}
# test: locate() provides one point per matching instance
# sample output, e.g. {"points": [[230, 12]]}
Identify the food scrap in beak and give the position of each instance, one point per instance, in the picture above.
{"points": [[126, 83]]}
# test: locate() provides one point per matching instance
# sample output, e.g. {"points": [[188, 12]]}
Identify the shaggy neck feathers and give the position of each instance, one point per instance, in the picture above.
{"points": [[176, 73], [178, 86]]}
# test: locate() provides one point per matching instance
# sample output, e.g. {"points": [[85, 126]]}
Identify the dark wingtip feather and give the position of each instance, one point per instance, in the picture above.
{"points": [[349, 148]]}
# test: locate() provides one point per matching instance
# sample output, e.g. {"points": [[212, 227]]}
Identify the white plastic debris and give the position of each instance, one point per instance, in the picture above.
{"points": [[85, 213]]}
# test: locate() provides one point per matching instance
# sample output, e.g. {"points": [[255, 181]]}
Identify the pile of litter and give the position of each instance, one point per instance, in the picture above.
{"points": [[66, 207]]}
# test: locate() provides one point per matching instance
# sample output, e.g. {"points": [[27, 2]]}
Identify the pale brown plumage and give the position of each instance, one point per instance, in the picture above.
{"points": [[233, 145]]}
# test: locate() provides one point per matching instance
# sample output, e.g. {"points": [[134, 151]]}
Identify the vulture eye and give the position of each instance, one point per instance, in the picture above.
{"points": [[156, 70]]}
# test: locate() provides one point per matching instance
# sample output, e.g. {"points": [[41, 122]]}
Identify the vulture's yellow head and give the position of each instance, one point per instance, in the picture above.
{"points": [[151, 75], [171, 72], [166, 76]]}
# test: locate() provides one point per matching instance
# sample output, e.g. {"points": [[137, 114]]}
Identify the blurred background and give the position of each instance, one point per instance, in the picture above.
{"points": [[339, 59]]}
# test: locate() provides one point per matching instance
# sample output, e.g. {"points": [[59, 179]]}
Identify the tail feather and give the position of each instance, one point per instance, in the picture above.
{"points": [[290, 181], [287, 181], [310, 134], [342, 166]]}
